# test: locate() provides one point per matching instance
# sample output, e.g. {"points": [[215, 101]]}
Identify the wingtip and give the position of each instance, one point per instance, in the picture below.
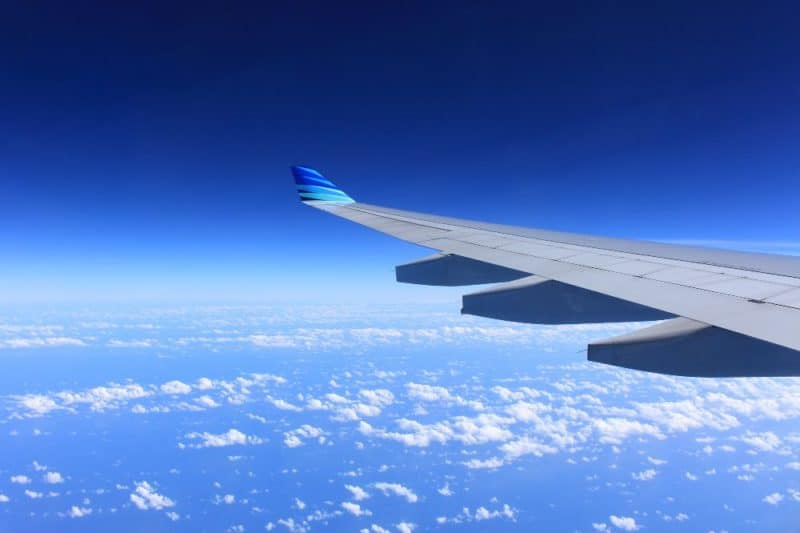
{"points": [[312, 186]]}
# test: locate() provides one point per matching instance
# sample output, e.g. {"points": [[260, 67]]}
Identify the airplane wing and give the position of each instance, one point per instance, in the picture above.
{"points": [[723, 313]]}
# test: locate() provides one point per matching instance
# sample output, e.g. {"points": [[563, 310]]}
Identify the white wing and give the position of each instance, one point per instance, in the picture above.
{"points": [[727, 313]]}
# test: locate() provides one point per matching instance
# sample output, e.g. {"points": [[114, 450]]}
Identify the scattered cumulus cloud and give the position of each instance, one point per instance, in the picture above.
{"points": [[625, 523], [145, 498], [232, 437]]}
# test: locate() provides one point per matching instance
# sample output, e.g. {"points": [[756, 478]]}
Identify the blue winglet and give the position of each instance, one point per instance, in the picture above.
{"points": [[314, 187]]}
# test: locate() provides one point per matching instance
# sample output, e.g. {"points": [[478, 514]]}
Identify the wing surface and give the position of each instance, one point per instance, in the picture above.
{"points": [[727, 313]]}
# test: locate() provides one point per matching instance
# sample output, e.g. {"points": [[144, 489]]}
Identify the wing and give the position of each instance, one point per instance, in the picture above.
{"points": [[724, 313]]}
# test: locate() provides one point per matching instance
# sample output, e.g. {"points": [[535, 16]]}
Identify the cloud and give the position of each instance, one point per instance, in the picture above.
{"points": [[764, 442], [176, 387], [616, 430], [626, 523], [232, 437], [490, 464], [357, 492], [207, 401], [204, 384], [227, 499], [145, 497], [294, 438], [32, 494], [645, 475], [526, 446], [482, 513], [355, 509], [37, 404], [405, 527], [284, 405], [141, 343], [79, 512], [377, 397], [446, 490], [430, 393], [20, 479], [40, 342], [480, 429], [396, 489], [53, 478], [773, 499]]}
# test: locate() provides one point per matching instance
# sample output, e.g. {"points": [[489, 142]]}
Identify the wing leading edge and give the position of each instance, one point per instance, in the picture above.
{"points": [[726, 313]]}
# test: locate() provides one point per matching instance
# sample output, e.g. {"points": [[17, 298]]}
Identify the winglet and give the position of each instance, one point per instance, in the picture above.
{"points": [[314, 187]]}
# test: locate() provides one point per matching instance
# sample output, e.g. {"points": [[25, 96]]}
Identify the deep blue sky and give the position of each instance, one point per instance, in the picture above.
{"points": [[144, 152]]}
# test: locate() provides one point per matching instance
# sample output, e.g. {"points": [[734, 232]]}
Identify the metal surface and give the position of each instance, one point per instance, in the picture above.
{"points": [[744, 295]]}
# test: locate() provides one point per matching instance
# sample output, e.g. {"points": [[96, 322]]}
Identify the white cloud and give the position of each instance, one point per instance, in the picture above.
{"points": [[176, 387], [53, 478], [227, 499], [480, 429], [32, 494], [79, 512], [765, 442], [645, 475], [377, 397], [294, 438], [446, 490], [526, 446], [625, 523], [139, 343], [145, 497], [204, 384], [405, 527], [299, 504], [207, 401], [491, 463], [602, 526], [482, 513], [284, 405], [20, 479], [355, 509], [616, 430], [357, 492], [37, 404], [773, 499], [398, 490], [40, 342], [430, 393], [232, 437]]}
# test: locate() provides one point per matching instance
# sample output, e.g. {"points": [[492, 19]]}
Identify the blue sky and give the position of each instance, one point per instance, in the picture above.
{"points": [[352, 418], [145, 151]]}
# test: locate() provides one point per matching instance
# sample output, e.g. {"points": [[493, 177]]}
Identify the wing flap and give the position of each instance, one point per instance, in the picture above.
{"points": [[449, 270], [686, 347], [536, 300]]}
